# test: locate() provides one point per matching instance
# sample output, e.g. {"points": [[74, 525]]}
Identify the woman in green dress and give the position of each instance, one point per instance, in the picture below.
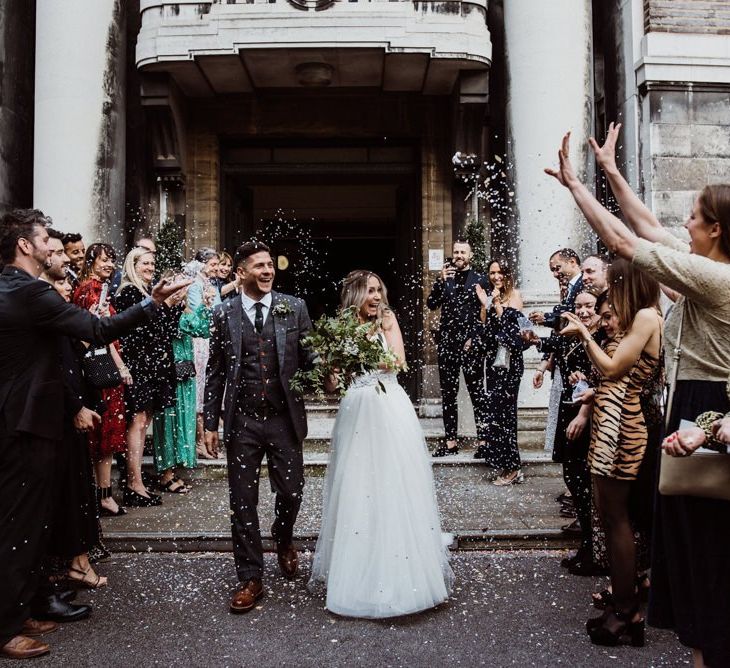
{"points": [[174, 427]]}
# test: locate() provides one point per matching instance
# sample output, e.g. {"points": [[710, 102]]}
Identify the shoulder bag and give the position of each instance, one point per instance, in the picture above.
{"points": [[99, 368], [704, 473]]}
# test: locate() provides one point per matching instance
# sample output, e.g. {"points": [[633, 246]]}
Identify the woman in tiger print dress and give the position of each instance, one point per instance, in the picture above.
{"points": [[619, 434]]}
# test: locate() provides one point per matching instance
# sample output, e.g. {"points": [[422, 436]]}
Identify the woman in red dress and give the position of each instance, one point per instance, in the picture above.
{"points": [[108, 437]]}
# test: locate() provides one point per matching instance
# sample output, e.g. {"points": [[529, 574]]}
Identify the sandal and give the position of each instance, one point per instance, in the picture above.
{"points": [[604, 599], [182, 488], [91, 582]]}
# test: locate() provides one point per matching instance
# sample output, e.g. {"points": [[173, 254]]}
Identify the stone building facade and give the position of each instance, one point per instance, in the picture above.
{"points": [[335, 123]]}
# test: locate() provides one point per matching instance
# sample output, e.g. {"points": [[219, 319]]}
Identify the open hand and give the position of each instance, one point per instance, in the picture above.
{"points": [[606, 154], [565, 173], [165, 288]]}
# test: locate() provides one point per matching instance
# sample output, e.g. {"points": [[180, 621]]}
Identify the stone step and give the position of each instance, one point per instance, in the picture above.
{"points": [[478, 514], [315, 461]]}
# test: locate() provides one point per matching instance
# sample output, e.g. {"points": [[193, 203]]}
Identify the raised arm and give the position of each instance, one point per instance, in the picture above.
{"points": [[637, 214], [618, 238], [627, 352]]}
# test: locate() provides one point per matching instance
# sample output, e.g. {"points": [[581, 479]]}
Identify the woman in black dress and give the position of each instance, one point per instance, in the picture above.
{"points": [[149, 356], [499, 340], [75, 522], [573, 434]]}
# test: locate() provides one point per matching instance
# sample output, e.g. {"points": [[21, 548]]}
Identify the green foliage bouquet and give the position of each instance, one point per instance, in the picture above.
{"points": [[345, 347]]}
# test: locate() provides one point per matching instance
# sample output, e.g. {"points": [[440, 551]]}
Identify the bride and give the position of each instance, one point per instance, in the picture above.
{"points": [[380, 551]]}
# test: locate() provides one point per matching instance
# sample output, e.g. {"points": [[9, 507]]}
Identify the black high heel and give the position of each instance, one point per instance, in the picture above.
{"points": [[633, 632], [132, 498], [443, 450], [106, 493], [604, 599]]}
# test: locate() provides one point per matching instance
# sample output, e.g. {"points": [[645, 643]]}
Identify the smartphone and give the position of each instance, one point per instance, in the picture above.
{"points": [[449, 263]]}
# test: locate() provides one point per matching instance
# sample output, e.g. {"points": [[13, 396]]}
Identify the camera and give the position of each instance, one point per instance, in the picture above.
{"points": [[563, 323]]}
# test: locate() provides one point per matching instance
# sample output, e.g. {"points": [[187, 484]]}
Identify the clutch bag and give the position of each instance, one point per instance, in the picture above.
{"points": [[704, 473]]}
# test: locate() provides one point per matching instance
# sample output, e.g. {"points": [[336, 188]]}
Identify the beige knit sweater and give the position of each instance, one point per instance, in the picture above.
{"points": [[705, 286]]}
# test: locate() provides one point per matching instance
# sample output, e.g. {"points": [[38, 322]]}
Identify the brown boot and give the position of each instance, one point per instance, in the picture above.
{"points": [[23, 647], [288, 561], [245, 597], [33, 627]]}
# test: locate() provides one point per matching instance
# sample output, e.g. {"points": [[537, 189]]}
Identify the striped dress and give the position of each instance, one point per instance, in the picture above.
{"points": [[618, 430]]}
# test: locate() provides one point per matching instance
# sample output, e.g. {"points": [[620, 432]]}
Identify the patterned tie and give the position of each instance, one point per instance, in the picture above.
{"points": [[258, 322]]}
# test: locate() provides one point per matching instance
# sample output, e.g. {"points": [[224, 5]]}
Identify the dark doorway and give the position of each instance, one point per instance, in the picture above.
{"points": [[326, 211]]}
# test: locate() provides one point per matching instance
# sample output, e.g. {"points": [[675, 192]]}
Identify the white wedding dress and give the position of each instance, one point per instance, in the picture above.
{"points": [[380, 551]]}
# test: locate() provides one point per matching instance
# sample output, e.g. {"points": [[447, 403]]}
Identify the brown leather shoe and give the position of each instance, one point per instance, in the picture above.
{"points": [[288, 561], [245, 597], [34, 627], [23, 647]]}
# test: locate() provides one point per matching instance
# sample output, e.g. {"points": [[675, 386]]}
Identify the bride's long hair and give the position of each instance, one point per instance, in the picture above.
{"points": [[355, 292]]}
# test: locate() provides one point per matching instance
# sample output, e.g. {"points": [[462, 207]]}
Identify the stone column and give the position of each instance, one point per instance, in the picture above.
{"points": [[549, 91], [79, 147], [17, 30]]}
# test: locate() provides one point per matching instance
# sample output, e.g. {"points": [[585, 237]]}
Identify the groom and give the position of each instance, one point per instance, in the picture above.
{"points": [[255, 349]]}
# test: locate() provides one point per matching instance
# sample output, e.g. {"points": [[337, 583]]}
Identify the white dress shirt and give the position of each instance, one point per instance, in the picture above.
{"points": [[249, 306]]}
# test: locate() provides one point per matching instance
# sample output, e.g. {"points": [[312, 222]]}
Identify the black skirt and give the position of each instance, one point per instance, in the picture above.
{"points": [[75, 528], [690, 578]]}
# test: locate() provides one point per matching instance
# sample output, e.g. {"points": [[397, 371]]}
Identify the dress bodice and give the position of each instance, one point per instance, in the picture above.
{"points": [[375, 377]]}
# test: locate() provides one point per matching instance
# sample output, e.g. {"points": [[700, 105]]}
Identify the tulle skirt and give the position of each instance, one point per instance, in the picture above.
{"points": [[380, 551]]}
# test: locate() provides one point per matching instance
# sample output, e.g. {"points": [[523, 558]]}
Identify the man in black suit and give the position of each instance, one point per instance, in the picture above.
{"points": [[565, 266], [455, 294], [255, 349], [33, 318]]}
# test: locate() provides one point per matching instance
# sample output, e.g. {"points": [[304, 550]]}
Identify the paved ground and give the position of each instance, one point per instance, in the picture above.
{"points": [[470, 506], [516, 609]]}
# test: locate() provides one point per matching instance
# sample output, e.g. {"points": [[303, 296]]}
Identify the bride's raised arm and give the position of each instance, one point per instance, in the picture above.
{"points": [[637, 214], [393, 336]]}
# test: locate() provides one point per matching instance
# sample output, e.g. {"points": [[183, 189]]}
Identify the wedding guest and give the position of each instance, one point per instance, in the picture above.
{"points": [[454, 293], [690, 578], [109, 436], [174, 429], [572, 436], [499, 340], [75, 526], [148, 353], [619, 434], [144, 240], [223, 278], [73, 246], [567, 265], [593, 272], [34, 319], [203, 286]]}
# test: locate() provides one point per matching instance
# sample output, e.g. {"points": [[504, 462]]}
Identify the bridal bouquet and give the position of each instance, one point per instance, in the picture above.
{"points": [[346, 347]]}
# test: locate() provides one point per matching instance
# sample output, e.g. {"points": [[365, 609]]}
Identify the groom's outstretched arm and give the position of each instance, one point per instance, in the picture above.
{"points": [[215, 375]]}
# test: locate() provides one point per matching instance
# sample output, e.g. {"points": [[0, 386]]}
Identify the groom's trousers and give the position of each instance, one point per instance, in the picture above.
{"points": [[251, 438]]}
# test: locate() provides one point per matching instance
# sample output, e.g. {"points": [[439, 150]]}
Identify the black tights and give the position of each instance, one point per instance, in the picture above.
{"points": [[612, 502]]}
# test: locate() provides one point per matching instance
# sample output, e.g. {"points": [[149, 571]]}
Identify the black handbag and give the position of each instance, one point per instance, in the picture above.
{"points": [[99, 368]]}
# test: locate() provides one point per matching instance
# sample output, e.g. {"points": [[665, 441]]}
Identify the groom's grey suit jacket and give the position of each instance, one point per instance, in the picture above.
{"points": [[226, 360]]}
